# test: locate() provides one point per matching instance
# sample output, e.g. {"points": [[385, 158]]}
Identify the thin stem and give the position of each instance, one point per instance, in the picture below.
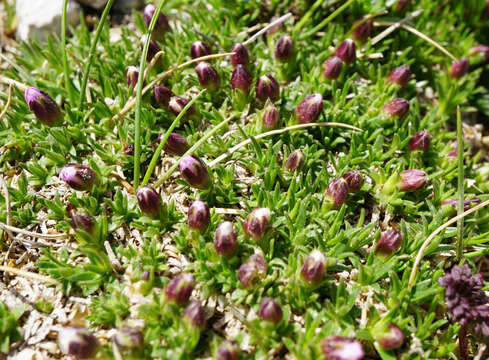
{"points": [[266, 28], [139, 94], [71, 96], [460, 209], [170, 171], [30, 233], [173, 125], [463, 345], [7, 104], [91, 52], [394, 26], [29, 275], [309, 13]]}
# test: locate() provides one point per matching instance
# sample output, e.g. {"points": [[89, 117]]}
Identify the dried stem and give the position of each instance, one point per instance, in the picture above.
{"points": [[6, 80], [33, 234], [29, 275], [268, 27], [460, 209], [394, 26], [7, 104], [463, 345]]}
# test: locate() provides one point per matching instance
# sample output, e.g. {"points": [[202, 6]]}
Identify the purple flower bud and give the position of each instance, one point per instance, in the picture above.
{"points": [[347, 51], [132, 74], [149, 201], [314, 267], [161, 26], [270, 310], [44, 108], [83, 221], [337, 192], [241, 79], [194, 315], [180, 288], [78, 342], [420, 141], [153, 49], [467, 203], [199, 49], [128, 338], [256, 223], [259, 261], [363, 30], [252, 271], [228, 350], [400, 75], [208, 76], [332, 67], [78, 176], [284, 50], [128, 149], [397, 108], [177, 103], [241, 55], [194, 172], [454, 152], [412, 180], [480, 50], [340, 348], [389, 242], [392, 338], [459, 68], [226, 239], [267, 88], [295, 161], [310, 108], [162, 95], [354, 179], [175, 144], [270, 117], [199, 216]]}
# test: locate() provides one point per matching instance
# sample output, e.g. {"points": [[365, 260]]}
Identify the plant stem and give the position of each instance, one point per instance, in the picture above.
{"points": [[462, 343], [137, 124], [170, 171], [460, 208], [309, 13], [173, 125], [66, 69], [91, 52]]}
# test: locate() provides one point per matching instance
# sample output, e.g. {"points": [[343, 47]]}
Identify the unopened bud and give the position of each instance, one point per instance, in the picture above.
{"points": [[199, 49], [175, 144], [295, 161], [226, 239], [284, 50], [397, 108], [194, 315], [314, 267], [252, 271], [459, 68], [161, 26], [128, 338], [332, 67], [337, 192], [194, 172], [83, 221], [240, 56], [208, 76], [228, 350], [354, 179], [199, 216], [132, 73], [44, 108], [78, 342], [347, 51], [400, 75], [241, 79], [267, 88], [78, 176], [270, 310], [389, 242], [178, 103], [310, 108], [270, 117], [412, 180], [391, 338], [420, 141], [162, 95], [149, 201], [362, 29], [480, 50], [180, 288], [256, 223]]}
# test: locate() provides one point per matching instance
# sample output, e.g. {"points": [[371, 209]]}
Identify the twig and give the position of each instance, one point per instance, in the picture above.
{"points": [[429, 40], [152, 63], [7, 198], [116, 265], [123, 181], [33, 234], [266, 28], [7, 104], [275, 132], [394, 26], [29, 275], [420, 254], [6, 80], [460, 185]]}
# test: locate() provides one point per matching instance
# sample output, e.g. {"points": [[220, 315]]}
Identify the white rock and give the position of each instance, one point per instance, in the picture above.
{"points": [[39, 18], [95, 4]]}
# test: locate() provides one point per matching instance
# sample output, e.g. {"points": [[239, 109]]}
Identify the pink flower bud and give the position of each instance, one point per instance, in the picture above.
{"points": [[459, 68], [132, 74], [295, 160], [270, 117], [392, 338], [180, 288], [199, 216], [240, 56], [256, 223], [83, 221], [267, 88], [480, 50], [241, 79], [149, 201], [400, 75], [128, 338], [44, 108], [389, 242], [194, 315], [78, 342], [347, 51], [337, 192], [250, 273], [161, 26], [340, 348], [228, 350], [332, 67], [284, 50], [397, 108], [208, 76], [354, 179], [314, 267], [226, 239], [363, 30], [177, 103], [467, 203], [310, 108], [78, 176], [412, 180], [194, 172], [420, 141], [163, 95], [175, 144], [270, 310], [199, 49]]}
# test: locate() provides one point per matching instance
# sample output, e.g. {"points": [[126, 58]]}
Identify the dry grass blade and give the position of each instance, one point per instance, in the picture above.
{"points": [[31, 233], [29, 275], [394, 26]]}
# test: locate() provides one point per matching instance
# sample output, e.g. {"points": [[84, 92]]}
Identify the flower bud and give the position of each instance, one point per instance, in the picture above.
{"points": [[149, 201], [259, 261], [78, 176], [480, 50], [128, 149], [453, 153], [354, 180], [270, 117], [310, 108], [340, 348], [467, 203], [400, 75], [459, 68], [252, 271], [337, 192], [256, 223], [177, 103], [270, 310], [83, 221], [332, 67], [284, 50], [199, 49], [128, 338], [228, 350], [78, 342], [362, 29], [420, 141], [161, 26], [132, 73], [180, 288], [153, 49], [389, 242], [163, 95], [295, 161], [347, 51], [241, 55], [397, 108], [194, 315], [208, 76], [226, 239], [199, 216], [392, 338], [194, 172], [412, 180], [267, 88], [175, 144], [314, 267], [44, 108], [241, 79]]}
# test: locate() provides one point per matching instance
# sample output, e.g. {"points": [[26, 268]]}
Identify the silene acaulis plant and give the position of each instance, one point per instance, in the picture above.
{"points": [[78, 176], [420, 141], [226, 239], [346, 51], [270, 117], [389, 242], [309, 109], [180, 288], [412, 180], [295, 161], [241, 55], [199, 49], [257, 222], [314, 267], [284, 49], [400, 76], [149, 201], [337, 192], [267, 88], [270, 311], [42, 106], [199, 216], [78, 342], [241, 79], [397, 108], [207, 75], [175, 145], [194, 172], [332, 68]]}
